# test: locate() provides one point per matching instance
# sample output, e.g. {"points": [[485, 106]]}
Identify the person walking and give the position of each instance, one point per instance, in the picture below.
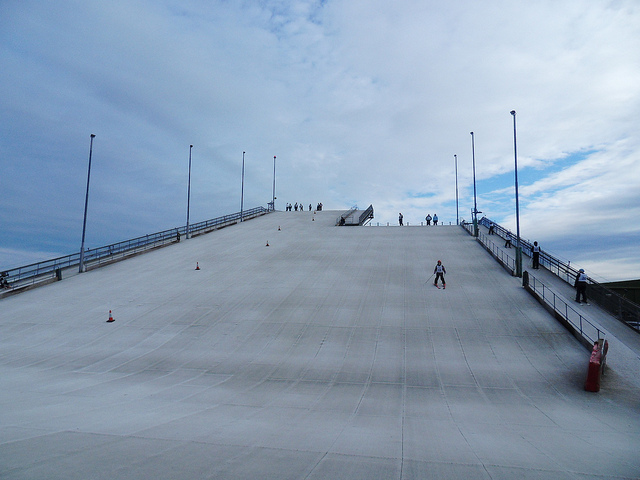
{"points": [[581, 286], [535, 253], [428, 219], [400, 217], [435, 219], [439, 271], [507, 243]]}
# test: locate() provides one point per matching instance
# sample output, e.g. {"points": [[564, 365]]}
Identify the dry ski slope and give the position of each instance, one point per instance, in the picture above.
{"points": [[323, 355]]}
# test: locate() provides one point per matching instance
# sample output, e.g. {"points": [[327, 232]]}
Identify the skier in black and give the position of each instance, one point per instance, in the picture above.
{"points": [[439, 271]]}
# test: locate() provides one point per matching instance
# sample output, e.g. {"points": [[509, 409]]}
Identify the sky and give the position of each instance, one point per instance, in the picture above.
{"points": [[361, 102]]}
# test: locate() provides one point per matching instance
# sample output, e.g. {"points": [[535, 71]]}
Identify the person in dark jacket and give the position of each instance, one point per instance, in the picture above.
{"points": [[581, 286]]}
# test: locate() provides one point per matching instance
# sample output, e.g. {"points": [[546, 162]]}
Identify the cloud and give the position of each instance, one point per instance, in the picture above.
{"points": [[361, 102]]}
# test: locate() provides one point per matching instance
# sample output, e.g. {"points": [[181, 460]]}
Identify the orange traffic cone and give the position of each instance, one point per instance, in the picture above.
{"points": [[111, 319], [197, 266]]}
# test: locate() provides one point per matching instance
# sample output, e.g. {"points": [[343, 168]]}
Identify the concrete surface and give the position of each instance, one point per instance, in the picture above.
{"points": [[624, 344], [323, 355]]}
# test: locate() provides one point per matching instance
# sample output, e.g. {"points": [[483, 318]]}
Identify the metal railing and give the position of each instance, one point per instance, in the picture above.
{"points": [[507, 261], [367, 215], [363, 218], [50, 269], [341, 220], [588, 332], [623, 309], [36, 272], [545, 259]]}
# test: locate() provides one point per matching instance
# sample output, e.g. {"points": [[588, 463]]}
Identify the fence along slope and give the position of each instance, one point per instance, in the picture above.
{"points": [[40, 273]]}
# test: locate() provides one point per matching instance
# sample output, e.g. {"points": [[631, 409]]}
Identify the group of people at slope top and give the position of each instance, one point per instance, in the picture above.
{"points": [[428, 218], [300, 207]]}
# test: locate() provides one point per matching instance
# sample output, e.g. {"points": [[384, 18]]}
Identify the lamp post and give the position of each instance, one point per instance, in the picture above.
{"points": [[86, 203], [242, 189], [189, 192], [475, 201], [457, 214], [518, 245], [273, 201]]}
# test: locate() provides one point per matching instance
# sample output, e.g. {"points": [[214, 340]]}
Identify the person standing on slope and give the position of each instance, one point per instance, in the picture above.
{"points": [[581, 286], [439, 271], [535, 252]]}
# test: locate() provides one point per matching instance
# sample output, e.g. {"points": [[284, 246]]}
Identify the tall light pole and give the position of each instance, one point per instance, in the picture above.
{"points": [[457, 215], [86, 203], [273, 202], [189, 192], [518, 245], [242, 189], [475, 201]]}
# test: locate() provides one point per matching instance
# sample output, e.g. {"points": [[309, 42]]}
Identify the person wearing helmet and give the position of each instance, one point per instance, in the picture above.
{"points": [[439, 271], [581, 286]]}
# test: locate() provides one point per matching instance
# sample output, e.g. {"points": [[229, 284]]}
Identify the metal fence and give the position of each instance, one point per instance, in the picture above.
{"points": [[366, 216], [342, 219], [52, 269], [507, 261], [586, 331], [363, 218], [581, 326], [618, 306]]}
